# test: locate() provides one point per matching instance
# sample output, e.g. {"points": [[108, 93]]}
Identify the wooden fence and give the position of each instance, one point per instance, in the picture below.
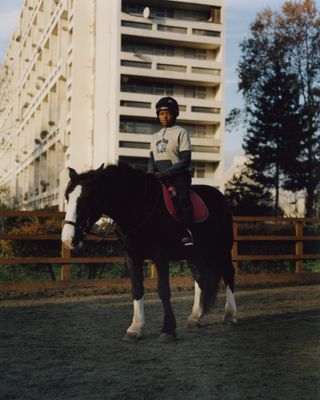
{"points": [[298, 238], [66, 258]]}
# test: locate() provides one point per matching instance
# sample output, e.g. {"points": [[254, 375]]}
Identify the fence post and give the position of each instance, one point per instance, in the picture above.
{"points": [[65, 272], [235, 246], [154, 273], [299, 245]]}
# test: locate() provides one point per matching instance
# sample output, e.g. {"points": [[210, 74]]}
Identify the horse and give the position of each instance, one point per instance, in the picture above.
{"points": [[134, 200]]}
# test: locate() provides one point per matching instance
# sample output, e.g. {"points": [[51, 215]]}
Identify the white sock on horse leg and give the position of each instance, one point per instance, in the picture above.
{"points": [[138, 317], [230, 307]]}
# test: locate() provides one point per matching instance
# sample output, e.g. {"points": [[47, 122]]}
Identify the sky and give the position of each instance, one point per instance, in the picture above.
{"points": [[239, 15]]}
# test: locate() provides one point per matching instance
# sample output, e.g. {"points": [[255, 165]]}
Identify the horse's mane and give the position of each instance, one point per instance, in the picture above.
{"points": [[121, 176], [111, 170]]}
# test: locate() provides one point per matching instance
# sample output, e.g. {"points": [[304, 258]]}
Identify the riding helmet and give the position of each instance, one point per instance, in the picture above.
{"points": [[168, 103]]}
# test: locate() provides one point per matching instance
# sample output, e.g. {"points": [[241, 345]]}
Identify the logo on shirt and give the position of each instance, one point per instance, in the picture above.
{"points": [[162, 145]]}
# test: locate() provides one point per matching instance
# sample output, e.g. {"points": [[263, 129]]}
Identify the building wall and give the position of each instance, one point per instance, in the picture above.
{"points": [[80, 81]]}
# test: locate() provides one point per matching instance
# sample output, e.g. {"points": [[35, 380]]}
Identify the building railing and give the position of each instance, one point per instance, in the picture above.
{"points": [[66, 258]]}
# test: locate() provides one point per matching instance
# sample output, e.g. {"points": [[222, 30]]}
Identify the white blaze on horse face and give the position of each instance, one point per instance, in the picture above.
{"points": [[230, 307], [71, 215], [138, 317]]}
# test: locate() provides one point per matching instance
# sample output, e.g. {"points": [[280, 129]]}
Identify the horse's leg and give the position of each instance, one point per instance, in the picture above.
{"points": [[230, 310], [196, 314], [168, 332], [135, 266]]}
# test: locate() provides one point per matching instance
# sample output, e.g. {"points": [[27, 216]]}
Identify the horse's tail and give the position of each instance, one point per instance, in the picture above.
{"points": [[210, 286]]}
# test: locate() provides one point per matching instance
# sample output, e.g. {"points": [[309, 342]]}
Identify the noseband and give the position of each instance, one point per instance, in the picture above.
{"points": [[70, 223], [78, 229], [108, 231]]}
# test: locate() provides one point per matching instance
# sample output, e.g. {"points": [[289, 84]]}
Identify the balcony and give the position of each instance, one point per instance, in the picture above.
{"points": [[172, 68], [202, 34], [197, 110]]}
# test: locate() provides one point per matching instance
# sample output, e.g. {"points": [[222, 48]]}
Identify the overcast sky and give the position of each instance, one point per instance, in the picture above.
{"points": [[239, 15]]}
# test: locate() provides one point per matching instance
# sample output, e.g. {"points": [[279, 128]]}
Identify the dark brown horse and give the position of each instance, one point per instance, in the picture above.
{"points": [[134, 201]]}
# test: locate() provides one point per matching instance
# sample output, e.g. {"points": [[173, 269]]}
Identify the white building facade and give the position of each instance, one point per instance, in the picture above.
{"points": [[80, 81]]}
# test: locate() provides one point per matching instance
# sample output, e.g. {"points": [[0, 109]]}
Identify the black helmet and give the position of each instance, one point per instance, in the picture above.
{"points": [[168, 103]]}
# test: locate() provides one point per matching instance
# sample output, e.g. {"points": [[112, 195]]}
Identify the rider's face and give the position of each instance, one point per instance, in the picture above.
{"points": [[166, 118]]}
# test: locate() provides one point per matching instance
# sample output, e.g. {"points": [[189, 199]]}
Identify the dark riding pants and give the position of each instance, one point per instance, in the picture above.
{"points": [[182, 184]]}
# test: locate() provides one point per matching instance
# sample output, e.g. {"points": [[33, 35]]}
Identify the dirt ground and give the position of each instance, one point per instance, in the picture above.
{"points": [[62, 348]]}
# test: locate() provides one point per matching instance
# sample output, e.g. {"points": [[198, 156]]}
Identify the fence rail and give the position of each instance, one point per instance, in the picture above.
{"points": [[299, 238], [66, 258]]}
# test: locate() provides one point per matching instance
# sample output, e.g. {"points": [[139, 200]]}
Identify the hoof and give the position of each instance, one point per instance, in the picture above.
{"points": [[193, 323], [131, 337], [167, 338], [228, 319]]}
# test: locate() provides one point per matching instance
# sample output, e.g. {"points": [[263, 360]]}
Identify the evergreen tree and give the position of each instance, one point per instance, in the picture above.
{"points": [[280, 80], [246, 196], [274, 125]]}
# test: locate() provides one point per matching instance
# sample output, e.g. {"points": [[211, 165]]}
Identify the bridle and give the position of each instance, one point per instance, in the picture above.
{"points": [[113, 227], [70, 223], [83, 231]]}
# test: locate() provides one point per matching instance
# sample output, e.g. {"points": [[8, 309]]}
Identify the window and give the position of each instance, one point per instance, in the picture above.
{"points": [[135, 162], [139, 25], [206, 149], [138, 127], [189, 53], [143, 48], [216, 15], [209, 71], [173, 68], [147, 88], [135, 104], [198, 170], [199, 131], [134, 145], [133, 9], [173, 29], [204, 32], [209, 110], [197, 92], [192, 15], [199, 54], [135, 64]]}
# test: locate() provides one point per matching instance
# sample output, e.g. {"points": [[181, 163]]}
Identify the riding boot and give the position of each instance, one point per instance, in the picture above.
{"points": [[187, 221]]}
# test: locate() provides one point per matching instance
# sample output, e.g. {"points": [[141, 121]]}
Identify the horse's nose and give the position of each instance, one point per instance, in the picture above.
{"points": [[67, 236], [68, 244]]}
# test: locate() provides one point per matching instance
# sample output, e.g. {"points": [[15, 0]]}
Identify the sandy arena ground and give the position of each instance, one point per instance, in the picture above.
{"points": [[62, 348]]}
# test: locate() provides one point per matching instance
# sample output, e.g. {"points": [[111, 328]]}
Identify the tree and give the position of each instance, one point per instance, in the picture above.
{"points": [[274, 123], [279, 75], [246, 196]]}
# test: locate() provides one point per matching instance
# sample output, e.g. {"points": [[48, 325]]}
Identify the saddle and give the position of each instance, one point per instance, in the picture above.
{"points": [[200, 210]]}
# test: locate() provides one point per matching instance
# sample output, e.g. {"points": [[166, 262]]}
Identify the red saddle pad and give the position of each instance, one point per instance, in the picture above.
{"points": [[200, 210]]}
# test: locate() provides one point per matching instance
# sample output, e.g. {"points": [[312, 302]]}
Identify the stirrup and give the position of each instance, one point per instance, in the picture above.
{"points": [[187, 240]]}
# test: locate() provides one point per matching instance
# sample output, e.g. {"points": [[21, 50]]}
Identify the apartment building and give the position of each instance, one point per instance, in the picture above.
{"points": [[80, 81]]}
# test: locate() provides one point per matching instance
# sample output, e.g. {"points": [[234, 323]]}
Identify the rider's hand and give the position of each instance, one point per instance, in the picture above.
{"points": [[158, 174]]}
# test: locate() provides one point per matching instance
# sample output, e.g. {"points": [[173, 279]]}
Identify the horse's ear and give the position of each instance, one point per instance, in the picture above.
{"points": [[101, 167], [72, 173]]}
